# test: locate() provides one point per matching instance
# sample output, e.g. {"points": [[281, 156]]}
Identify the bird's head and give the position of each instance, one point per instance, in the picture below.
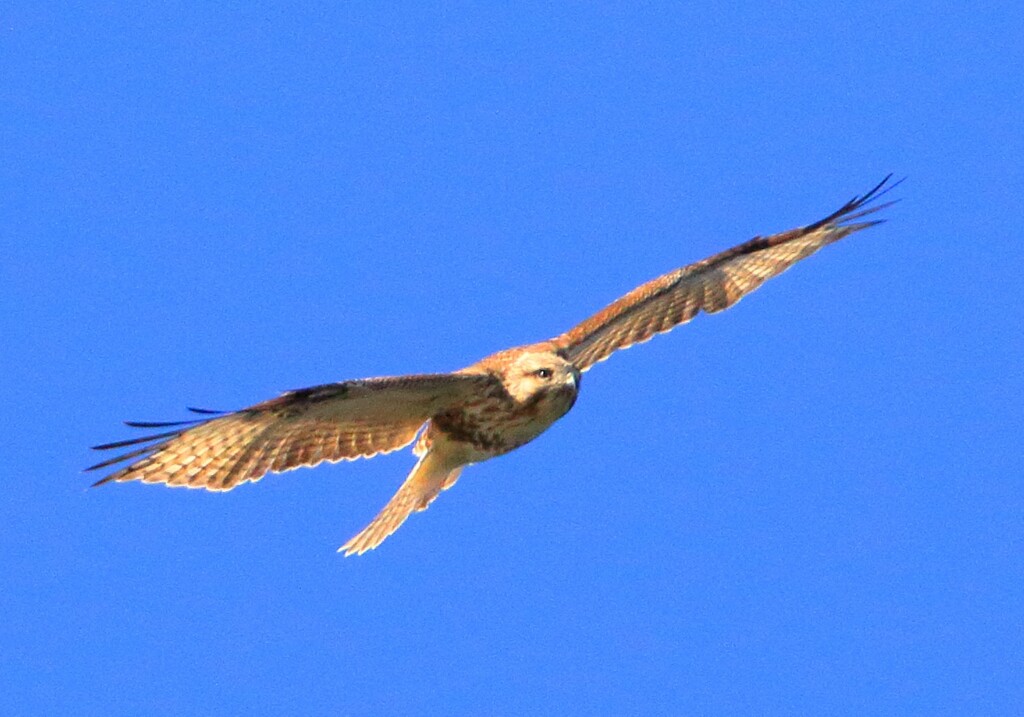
{"points": [[534, 376]]}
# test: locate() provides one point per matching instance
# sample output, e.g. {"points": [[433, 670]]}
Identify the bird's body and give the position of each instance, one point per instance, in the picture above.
{"points": [[484, 410], [534, 387]]}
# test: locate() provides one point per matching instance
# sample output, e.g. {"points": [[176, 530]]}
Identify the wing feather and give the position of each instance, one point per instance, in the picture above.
{"points": [[333, 422], [710, 285]]}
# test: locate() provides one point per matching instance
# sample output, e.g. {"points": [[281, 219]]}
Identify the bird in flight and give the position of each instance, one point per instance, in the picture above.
{"points": [[484, 410]]}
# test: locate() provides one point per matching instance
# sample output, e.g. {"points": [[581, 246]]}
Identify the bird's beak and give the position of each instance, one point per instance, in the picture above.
{"points": [[574, 375]]}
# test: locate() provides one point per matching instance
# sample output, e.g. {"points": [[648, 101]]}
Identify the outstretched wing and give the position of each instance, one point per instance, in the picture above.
{"points": [[711, 285], [333, 422]]}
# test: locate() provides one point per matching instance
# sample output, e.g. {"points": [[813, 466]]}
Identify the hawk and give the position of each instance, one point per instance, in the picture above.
{"points": [[484, 410]]}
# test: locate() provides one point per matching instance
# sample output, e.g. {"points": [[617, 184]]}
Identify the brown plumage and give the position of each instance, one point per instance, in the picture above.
{"points": [[479, 412]]}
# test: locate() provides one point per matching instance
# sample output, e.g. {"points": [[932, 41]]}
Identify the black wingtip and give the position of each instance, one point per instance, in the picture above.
{"points": [[160, 424], [861, 206], [125, 456], [206, 411], [170, 424], [879, 191], [151, 442], [135, 441]]}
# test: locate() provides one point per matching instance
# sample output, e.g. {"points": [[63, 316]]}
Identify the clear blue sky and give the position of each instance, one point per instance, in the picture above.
{"points": [[810, 504]]}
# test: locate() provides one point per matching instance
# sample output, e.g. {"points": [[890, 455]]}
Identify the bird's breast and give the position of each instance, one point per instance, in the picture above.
{"points": [[491, 426]]}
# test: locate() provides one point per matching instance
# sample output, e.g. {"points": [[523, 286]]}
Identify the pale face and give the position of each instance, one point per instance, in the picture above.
{"points": [[542, 373]]}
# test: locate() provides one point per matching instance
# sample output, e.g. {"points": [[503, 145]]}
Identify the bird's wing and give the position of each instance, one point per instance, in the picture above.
{"points": [[711, 285], [339, 421]]}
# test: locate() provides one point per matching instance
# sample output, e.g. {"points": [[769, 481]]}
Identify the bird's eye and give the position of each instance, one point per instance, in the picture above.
{"points": [[544, 373]]}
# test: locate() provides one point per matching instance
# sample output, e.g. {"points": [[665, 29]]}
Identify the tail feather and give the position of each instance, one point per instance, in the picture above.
{"points": [[430, 476]]}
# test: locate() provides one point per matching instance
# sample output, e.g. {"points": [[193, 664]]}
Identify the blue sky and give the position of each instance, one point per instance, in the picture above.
{"points": [[810, 504]]}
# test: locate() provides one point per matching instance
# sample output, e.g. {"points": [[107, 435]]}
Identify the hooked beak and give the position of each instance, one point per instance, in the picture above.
{"points": [[575, 375]]}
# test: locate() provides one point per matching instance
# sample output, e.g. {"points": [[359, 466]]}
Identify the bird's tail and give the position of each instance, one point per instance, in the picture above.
{"points": [[430, 476]]}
